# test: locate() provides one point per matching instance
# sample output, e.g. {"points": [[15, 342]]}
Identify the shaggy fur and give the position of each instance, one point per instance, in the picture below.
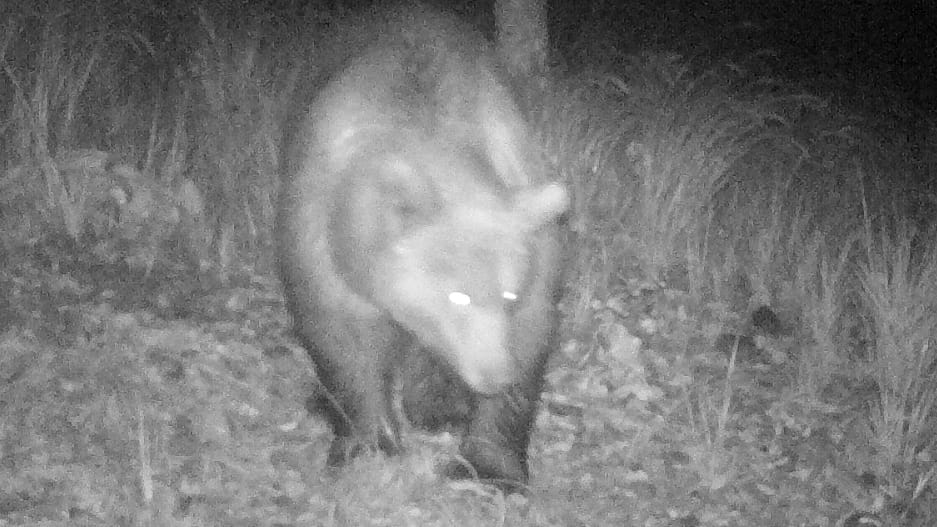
{"points": [[414, 218]]}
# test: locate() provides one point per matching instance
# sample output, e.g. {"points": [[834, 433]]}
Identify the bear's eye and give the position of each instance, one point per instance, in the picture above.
{"points": [[460, 299], [510, 301]]}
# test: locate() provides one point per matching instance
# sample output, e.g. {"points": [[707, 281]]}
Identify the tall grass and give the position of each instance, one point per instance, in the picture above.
{"points": [[693, 133], [675, 168], [240, 96], [822, 278], [583, 128], [47, 66], [90, 77], [763, 193], [899, 285]]}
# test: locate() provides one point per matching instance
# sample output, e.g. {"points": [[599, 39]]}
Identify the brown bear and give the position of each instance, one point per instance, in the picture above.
{"points": [[416, 217]]}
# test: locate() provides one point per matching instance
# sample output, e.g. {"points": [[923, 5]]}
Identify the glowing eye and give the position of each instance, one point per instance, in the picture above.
{"points": [[460, 299], [510, 296]]}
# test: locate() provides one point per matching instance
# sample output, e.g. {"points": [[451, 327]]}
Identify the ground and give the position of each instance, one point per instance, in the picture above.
{"points": [[177, 399]]}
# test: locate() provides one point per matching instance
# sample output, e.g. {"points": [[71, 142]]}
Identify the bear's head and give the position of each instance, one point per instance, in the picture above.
{"points": [[434, 239]]}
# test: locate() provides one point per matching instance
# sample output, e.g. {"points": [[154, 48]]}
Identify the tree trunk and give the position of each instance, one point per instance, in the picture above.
{"points": [[522, 35]]}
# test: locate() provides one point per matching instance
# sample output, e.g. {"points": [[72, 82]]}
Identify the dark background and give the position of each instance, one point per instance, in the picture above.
{"points": [[889, 45]]}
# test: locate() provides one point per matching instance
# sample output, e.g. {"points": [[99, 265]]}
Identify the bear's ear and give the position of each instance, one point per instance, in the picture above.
{"points": [[534, 207], [505, 138], [502, 129]]}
